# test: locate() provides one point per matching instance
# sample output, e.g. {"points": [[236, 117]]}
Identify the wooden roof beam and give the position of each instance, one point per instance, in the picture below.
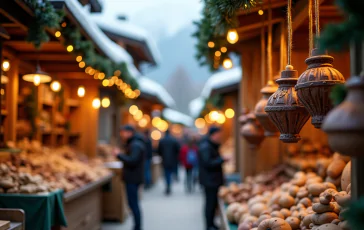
{"points": [[257, 25], [31, 56], [264, 6], [300, 13]]}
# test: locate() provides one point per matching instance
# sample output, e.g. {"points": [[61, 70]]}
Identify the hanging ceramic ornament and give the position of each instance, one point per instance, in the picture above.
{"points": [[243, 118], [269, 127], [344, 125], [284, 108], [252, 131], [315, 84]]}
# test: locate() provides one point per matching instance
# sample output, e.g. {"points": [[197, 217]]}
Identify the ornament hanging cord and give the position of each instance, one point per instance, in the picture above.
{"points": [[289, 20], [310, 27], [262, 40], [269, 51], [317, 19]]}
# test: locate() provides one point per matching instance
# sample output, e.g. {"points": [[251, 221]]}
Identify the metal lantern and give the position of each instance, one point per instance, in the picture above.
{"points": [[314, 85], [252, 131], [344, 125], [269, 127], [284, 108]]}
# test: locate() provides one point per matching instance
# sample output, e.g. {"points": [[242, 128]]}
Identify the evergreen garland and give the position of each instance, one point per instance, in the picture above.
{"points": [[45, 17], [337, 36]]}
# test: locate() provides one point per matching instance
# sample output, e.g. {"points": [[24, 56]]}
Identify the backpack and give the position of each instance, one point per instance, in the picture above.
{"points": [[192, 157]]}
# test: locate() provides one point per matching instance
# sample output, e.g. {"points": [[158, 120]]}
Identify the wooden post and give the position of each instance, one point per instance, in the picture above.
{"points": [[357, 163], [12, 101]]}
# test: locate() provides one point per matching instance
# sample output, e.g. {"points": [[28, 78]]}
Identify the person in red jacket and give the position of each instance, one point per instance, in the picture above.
{"points": [[189, 160]]}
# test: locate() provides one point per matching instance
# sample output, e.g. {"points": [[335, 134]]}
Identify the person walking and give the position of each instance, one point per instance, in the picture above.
{"points": [[169, 150], [211, 173], [133, 176], [189, 159], [148, 161]]}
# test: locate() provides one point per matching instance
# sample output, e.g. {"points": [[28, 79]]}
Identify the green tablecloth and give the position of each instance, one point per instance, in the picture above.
{"points": [[41, 211], [231, 226]]}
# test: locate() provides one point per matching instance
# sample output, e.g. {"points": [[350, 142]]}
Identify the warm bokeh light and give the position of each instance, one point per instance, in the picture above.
{"points": [[207, 119], [101, 76], [227, 63], [177, 129], [163, 126], [156, 135], [200, 123], [82, 64], [81, 91], [146, 117], [223, 49], [96, 103], [5, 65], [117, 73], [143, 123], [211, 44], [105, 102], [214, 115], [260, 12], [56, 86], [92, 71], [138, 115], [217, 53], [133, 109], [79, 58], [105, 82], [232, 36], [88, 68], [111, 82], [57, 34], [64, 24], [155, 121], [221, 119], [229, 113], [70, 48]]}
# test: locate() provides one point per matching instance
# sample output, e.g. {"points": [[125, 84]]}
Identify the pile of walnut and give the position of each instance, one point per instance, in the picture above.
{"points": [[12, 181], [61, 167], [253, 186], [306, 202]]}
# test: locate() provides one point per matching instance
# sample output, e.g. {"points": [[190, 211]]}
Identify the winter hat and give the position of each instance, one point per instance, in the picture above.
{"points": [[127, 128], [214, 129]]}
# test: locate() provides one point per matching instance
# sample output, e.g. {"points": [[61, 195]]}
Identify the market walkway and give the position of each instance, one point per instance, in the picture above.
{"points": [[180, 211]]}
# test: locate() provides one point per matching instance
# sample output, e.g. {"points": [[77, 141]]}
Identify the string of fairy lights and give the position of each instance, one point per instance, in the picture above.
{"points": [[214, 117]]}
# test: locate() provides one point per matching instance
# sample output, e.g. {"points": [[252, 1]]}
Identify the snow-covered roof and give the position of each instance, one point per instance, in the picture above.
{"points": [[130, 31], [153, 88], [177, 117], [196, 106], [112, 50], [220, 80]]}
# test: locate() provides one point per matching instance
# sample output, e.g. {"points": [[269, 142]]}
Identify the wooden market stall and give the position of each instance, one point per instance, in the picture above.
{"points": [[58, 114]]}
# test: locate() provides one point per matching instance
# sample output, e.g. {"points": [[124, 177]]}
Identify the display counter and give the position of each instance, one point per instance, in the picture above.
{"points": [[114, 200], [225, 225], [42, 211], [82, 207]]}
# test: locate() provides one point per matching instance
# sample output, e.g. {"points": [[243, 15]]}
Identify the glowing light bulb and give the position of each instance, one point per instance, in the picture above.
{"points": [[143, 123], [223, 49], [229, 113], [82, 64], [36, 80], [6, 65], [105, 102], [70, 48], [57, 34], [156, 135], [214, 115], [221, 119], [138, 115], [260, 12], [227, 63], [96, 103], [211, 44], [133, 109], [200, 123], [217, 53], [232, 36], [81, 91], [56, 86], [79, 58]]}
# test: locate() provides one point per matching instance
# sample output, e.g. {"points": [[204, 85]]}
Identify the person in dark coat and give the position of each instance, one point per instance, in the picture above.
{"points": [[148, 160], [133, 169], [169, 149], [211, 174]]}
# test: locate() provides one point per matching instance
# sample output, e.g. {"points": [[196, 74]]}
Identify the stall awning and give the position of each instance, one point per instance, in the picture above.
{"points": [[222, 82], [150, 88], [177, 117], [137, 41]]}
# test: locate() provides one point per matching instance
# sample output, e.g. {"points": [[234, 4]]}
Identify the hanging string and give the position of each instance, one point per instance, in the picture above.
{"points": [[283, 47], [289, 19], [269, 51], [317, 18], [262, 40], [310, 29]]}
